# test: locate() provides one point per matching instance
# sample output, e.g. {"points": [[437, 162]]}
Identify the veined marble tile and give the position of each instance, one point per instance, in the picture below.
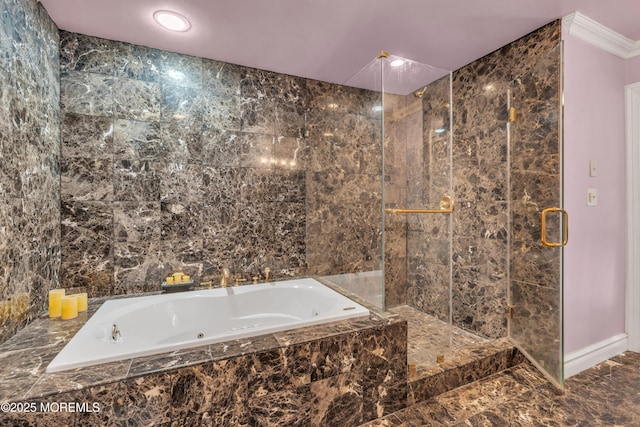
{"points": [[180, 221], [221, 77], [136, 221], [87, 179], [80, 378], [181, 102], [225, 112], [87, 93], [137, 62], [223, 148], [290, 153], [342, 99], [257, 115], [110, 398], [142, 266], [289, 407], [182, 140], [135, 99], [136, 181], [223, 185], [337, 401], [86, 53], [181, 70], [181, 182], [138, 140], [257, 151], [87, 136], [86, 246]]}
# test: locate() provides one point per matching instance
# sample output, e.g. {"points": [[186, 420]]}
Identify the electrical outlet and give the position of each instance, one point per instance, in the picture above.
{"points": [[592, 197]]}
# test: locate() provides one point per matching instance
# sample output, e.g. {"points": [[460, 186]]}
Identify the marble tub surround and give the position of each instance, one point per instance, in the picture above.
{"points": [[320, 375], [29, 154], [171, 162]]}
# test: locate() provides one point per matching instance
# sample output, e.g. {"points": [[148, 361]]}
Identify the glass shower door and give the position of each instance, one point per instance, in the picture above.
{"points": [[538, 222]]}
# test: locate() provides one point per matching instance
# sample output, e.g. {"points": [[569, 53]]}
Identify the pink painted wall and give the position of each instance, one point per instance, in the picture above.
{"points": [[633, 70], [594, 298]]}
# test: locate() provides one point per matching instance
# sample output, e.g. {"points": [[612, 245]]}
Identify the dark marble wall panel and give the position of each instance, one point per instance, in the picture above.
{"points": [[343, 180], [498, 199], [30, 157], [535, 272], [493, 211], [210, 165]]}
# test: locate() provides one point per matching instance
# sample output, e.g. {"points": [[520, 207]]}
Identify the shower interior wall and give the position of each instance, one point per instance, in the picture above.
{"points": [[458, 268]]}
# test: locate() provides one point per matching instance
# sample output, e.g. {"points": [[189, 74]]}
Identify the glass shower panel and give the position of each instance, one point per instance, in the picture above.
{"points": [[416, 175], [538, 228], [428, 233]]}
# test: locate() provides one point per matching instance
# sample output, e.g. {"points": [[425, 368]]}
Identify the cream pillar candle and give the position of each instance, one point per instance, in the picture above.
{"points": [[69, 307], [55, 302]]}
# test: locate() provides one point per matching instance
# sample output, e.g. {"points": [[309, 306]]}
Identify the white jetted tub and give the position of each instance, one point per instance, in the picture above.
{"points": [[140, 326]]}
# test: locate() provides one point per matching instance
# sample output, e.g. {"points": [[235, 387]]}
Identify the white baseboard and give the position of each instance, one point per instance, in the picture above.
{"points": [[588, 357]]}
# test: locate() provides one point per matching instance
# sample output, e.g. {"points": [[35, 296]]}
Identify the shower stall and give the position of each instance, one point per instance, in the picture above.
{"points": [[459, 179]]}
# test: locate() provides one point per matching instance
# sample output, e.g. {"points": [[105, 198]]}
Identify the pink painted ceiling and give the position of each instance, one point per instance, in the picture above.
{"points": [[330, 40]]}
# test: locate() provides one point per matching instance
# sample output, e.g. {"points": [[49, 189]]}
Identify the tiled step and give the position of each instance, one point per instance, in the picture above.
{"points": [[475, 403], [463, 367]]}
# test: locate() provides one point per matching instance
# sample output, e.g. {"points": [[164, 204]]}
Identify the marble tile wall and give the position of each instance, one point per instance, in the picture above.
{"points": [[29, 155], [536, 184], [171, 162], [344, 180], [488, 202], [472, 245]]}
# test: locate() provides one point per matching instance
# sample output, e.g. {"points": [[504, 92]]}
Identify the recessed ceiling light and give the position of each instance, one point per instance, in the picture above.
{"points": [[171, 20], [397, 62]]}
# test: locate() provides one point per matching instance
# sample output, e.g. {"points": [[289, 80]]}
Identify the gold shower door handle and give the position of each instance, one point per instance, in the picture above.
{"points": [[543, 227]]}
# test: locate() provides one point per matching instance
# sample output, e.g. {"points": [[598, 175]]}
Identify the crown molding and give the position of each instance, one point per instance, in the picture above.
{"points": [[592, 32]]}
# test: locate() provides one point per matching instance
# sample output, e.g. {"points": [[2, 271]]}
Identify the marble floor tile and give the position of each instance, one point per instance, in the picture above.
{"points": [[607, 394]]}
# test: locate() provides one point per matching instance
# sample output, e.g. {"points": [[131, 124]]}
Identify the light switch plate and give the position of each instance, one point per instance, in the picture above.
{"points": [[593, 168]]}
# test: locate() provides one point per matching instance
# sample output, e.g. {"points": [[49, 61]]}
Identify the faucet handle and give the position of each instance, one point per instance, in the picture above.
{"points": [[266, 274], [224, 275], [239, 279]]}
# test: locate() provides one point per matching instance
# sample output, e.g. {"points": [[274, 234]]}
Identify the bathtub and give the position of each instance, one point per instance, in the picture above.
{"points": [[140, 326]]}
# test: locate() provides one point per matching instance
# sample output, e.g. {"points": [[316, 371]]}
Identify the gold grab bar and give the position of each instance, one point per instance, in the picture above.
{"points": [[446, 206], [543, 227]]}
